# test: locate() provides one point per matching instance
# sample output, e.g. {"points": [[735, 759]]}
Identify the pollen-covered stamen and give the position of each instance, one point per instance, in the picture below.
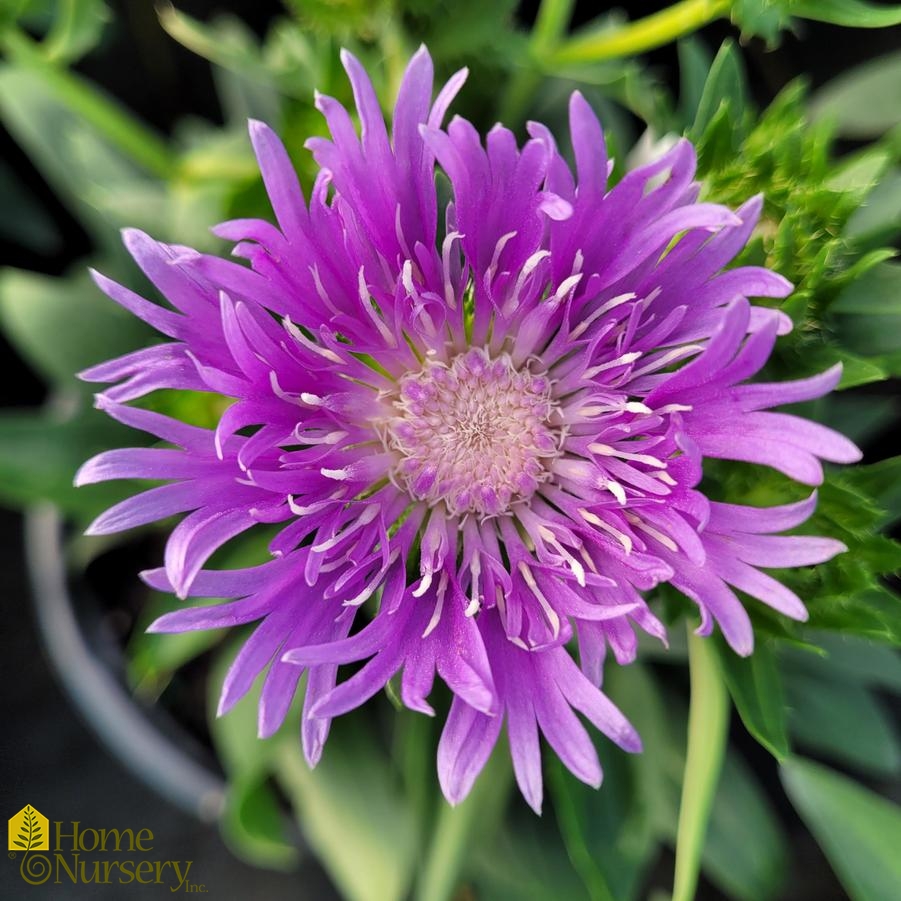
{"points": [[475, 434]]}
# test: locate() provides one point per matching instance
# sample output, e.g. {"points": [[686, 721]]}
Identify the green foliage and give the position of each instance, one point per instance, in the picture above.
{"points": [[847, 593], [857, 830], [64, 324], [866, 316], [76, 29], [722, 99], [526, 861], [755, 685], [613, 834], [808, 199], [370, 811], [843, 307], [851, 13], [768, 18], [41, 451], [844, 722], [865, 102], [763, 18]]}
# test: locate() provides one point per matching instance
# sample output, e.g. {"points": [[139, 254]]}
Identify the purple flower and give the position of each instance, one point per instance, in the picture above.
{"points": [[479, 429]]}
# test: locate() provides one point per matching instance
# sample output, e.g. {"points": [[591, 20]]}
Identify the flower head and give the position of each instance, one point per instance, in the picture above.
{"points": [[480, 429]]}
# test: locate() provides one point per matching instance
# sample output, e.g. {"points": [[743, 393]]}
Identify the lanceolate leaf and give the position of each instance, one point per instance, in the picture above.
{"points": [[63, 325], [725, 86], [843, 722], [857, 830], [852, 13], [756, 688]]}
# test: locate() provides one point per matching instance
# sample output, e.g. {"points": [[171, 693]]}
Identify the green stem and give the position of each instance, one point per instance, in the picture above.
{"points": [[394, 42], [131, 136], [708, 721], [570, 819], [459, 828], [653, 31], [550, 24]]}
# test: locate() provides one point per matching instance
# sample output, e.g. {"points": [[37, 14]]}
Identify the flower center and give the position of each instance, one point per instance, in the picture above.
{"points": [[473, 433]]}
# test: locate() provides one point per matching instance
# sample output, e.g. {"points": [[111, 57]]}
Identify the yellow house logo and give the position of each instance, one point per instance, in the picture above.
{"points": [[29, 830]]}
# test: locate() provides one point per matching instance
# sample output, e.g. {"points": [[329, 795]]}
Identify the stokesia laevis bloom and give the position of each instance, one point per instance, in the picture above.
{"points": [[479, 429]]}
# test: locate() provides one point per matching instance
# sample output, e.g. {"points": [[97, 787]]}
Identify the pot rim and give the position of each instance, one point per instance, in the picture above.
{"points": [[101, 699]]}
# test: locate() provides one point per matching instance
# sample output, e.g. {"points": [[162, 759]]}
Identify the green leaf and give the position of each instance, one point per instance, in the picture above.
{"points": [[878, 219], [76, 30], [857, 830], [858, 174], [43, 105], [856, 370], [252, 824], [153, 658], [39, 454], [459, 830], [694, 67], [858, 417], [62, 325], [287, 65], [609, 38], [845, 722], [763, 18], [526, 862], [12, 10], [361, 829], [610, 834], [865, 102], [746, 851], [876, 293], [851, 13], [868, 311], [725, 87], [73, 148], [848, 659], [756, 689], [882, 482]]}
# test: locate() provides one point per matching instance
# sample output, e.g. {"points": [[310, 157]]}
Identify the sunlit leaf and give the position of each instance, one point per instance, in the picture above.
{"points": [[63, 325], [359, 825], [77, 28], [852, 13], [253, 824]]}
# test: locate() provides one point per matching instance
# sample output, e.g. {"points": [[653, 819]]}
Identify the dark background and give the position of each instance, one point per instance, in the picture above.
{"points": [[47, 754]]}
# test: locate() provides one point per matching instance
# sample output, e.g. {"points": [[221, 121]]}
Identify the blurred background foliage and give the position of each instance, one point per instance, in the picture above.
{"points": [[827, 159]]}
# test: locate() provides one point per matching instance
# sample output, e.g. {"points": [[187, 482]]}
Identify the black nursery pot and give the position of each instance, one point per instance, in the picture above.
{"points": [[88, 663]]}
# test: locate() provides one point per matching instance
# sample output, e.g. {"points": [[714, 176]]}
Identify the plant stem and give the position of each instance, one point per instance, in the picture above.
{"points": [[458, 828], [708, 721], [653, 31], [550, 24]]}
